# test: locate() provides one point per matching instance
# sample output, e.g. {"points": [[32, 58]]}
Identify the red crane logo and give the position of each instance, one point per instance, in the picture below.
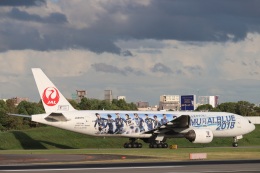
{"points": [[50, 96]]}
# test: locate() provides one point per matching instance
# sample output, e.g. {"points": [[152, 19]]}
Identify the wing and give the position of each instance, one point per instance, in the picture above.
{"points": [[181, 122]]}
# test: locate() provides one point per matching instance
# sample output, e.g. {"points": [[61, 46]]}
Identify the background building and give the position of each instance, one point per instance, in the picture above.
{"points": [[17, 100], [212, 100], [121, 98], [169, 102], [203, 100], [80, 95], [108, 95], [4, 99], [142, 104], [150, 108]]}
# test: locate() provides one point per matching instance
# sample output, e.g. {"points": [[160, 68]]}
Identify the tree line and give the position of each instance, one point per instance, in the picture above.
{"points": [[8, 122], [243, 108]]}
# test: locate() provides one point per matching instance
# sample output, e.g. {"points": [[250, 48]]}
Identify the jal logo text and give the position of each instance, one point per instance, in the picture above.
{"points": [[50, 96]]}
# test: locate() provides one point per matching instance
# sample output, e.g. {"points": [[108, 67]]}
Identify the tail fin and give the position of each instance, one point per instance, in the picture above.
{"points": [[52, 99]]}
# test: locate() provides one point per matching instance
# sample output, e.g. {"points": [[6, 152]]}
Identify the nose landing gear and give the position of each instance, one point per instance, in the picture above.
{"points": [[235, 140]]}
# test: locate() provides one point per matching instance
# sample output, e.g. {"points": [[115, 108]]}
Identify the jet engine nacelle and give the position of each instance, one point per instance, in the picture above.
{"points": [[199, 136]]}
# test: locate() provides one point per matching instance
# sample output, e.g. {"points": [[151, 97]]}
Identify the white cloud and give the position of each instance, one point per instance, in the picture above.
{"points": [[241, 59], [211, 68], [13, 62]]}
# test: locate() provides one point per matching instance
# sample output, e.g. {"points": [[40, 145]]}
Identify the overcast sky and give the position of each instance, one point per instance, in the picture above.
{"points": [[137, 48]]}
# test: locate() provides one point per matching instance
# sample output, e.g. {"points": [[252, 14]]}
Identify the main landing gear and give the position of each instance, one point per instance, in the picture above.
{"points": [[152, 143], [158, 145], [132, 144], [158, 141]]}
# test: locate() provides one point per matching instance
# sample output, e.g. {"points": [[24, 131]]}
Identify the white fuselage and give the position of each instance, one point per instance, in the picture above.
{"points": [[135, 124]]}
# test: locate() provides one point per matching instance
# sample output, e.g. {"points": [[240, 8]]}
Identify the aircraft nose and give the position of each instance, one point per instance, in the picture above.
{"points": [[253, 127]]}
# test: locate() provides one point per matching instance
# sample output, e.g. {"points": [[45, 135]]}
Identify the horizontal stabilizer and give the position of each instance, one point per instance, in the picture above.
{"points": [[20, 115], [54, 117]]}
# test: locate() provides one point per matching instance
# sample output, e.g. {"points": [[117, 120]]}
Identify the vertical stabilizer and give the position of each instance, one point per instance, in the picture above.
{"points": [[52, 99]]}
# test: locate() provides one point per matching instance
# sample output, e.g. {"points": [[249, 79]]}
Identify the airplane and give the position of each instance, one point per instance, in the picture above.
{"points": [[153, 127]]}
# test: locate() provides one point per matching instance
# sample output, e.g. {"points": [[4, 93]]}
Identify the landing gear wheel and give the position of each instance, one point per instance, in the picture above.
{"points": [[132, 144], [129, 145], [158, 145], [165, 145], [235, 144], [235, 141]]}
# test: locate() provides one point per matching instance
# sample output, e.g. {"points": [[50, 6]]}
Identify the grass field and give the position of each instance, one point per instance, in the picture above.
{"points": [[50, 140], [54, 138]]}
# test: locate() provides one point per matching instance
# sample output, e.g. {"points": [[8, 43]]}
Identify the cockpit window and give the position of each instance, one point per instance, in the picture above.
{"points": [[249, 121]]}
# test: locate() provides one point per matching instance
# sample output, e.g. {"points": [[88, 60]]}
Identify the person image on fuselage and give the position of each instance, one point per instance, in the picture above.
{"points": [[100, 122], [149, 122], [119, 124], [139, 122], [156, 122], [130, 124], [110, 125], [164, 120]]}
